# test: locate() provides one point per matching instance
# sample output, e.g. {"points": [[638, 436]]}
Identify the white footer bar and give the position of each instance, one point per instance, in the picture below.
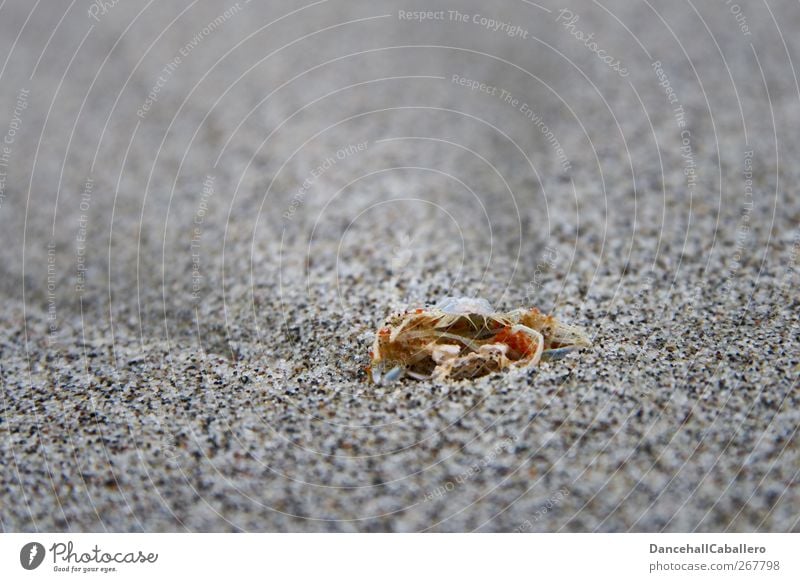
{"points": [[388, 557]]}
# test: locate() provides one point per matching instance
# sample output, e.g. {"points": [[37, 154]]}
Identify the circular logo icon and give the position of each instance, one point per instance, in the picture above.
{"points": [[31, 555]]}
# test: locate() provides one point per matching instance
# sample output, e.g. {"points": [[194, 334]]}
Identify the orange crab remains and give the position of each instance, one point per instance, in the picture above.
{"points": [[462, 338]]}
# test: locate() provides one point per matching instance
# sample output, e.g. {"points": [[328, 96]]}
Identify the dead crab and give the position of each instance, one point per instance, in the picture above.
{"points": [[462, 337]]}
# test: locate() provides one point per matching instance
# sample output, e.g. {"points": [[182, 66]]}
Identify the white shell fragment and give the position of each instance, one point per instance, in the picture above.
{"points": [[463, 305]]}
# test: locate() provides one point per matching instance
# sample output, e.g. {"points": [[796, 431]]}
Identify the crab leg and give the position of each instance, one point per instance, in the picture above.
{"points": [[537, 355]]}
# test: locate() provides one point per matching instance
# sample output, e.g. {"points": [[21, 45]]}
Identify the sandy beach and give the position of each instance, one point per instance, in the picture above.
{"points": [[208, 209]]}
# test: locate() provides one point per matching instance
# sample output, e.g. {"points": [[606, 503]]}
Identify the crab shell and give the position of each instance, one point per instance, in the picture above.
{"points": [[463, 338]]}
